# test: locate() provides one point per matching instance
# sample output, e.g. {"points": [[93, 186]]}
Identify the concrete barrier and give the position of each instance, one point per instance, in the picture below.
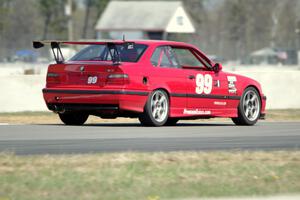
{"points": [[281, 86], [22, 93]]}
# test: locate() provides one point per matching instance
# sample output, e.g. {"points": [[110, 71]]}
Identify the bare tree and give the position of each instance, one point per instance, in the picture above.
{"points": [[93, 10], [52, 11]]}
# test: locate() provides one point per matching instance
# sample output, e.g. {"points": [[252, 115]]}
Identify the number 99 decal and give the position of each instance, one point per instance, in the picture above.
{"points": [[203, 83], [92, 79]]}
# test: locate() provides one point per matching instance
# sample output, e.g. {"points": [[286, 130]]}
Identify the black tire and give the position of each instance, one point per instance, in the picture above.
{"points": [[74, 119], [156, 111], [248, 111], [171, 122]]}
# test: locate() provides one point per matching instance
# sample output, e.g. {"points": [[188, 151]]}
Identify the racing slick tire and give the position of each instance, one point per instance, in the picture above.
{"points": [[73, 118], [249, 108], [156, 110]]}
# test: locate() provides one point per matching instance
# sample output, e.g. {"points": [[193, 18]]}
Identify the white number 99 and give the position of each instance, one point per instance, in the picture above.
{"points": [[203, 83]]}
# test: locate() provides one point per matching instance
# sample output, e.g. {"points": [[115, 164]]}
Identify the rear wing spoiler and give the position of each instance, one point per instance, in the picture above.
{"points": [[55, 46], [58, 56]]}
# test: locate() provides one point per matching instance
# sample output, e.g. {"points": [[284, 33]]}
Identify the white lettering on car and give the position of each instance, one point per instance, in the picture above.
{"points": [[196, 112], [203, 83], [231, 84], [220, 103]]}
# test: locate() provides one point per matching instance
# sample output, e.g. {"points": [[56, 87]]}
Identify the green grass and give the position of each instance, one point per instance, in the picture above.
{"points": [[149, 175]]}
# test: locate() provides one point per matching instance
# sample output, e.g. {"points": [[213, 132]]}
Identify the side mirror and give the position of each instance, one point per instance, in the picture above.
{"points": [[217, 67]]}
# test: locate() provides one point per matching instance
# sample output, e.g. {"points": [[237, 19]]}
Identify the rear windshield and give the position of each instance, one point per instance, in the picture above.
{"points": [[111, 52]]}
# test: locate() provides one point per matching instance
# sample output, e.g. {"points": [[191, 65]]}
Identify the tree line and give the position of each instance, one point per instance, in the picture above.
{"points": [[229, 28]]}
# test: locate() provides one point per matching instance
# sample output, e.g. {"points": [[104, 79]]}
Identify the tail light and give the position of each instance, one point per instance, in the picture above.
{"points": [[118, 79], [53, 78]]}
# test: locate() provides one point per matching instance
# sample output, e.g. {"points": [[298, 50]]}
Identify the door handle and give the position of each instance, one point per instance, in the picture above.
{"points": [[191, 77]]}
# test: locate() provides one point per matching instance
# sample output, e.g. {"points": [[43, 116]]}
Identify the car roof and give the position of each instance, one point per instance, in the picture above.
{"points": [[160, 42], [149, 42]]}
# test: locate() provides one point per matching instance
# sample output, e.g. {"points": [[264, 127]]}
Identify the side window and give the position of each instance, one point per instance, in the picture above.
{"points": [[187, 58], [155, 56], [164, 57]]}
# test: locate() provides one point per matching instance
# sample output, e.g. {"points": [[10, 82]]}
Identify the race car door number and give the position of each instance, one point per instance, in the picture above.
{"points": [[203, 83]]}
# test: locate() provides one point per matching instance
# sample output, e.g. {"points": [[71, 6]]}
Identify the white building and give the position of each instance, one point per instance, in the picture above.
{"points": [[143, 20]]}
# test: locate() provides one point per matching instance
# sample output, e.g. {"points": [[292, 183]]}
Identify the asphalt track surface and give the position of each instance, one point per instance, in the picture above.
{"points": [[117, 137]]}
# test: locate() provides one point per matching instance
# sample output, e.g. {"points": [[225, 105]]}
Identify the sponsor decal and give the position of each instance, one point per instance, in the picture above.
{"points": [[220, 103], [196, 112], [231, 84], [130, 46], [217, 83]]}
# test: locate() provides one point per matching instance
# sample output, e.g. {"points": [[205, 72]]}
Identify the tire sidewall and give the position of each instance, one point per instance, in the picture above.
{"points": [[148, 109], [73, 118], [241, 110]]}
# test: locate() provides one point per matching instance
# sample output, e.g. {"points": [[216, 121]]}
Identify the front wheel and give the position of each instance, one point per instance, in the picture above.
{"points": [[156, 111], [249, 108], [74, 119]]}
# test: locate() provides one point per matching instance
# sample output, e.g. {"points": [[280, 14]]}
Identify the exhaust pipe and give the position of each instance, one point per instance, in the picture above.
{"points": [[59, 109]]}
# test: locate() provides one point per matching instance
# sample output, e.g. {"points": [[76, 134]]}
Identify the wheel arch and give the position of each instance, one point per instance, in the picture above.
{"points": [[158, 88], [165, 89], [147, 118], [258, 91]]}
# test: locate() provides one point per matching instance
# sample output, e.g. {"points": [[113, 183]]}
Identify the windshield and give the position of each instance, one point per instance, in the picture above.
{"points": [[128, 52]]}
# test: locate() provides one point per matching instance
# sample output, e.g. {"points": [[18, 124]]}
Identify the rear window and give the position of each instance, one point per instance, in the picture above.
{"points": [[125, 52]]}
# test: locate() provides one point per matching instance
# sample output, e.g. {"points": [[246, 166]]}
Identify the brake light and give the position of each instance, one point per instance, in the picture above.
{"points": [[118, 79], [53, 78]]}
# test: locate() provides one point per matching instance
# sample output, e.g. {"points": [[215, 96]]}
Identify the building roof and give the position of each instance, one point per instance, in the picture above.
{"points": [[140, 15]]}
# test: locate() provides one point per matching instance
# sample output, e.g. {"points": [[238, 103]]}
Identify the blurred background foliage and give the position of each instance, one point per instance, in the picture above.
{"points": [[228, 28]]}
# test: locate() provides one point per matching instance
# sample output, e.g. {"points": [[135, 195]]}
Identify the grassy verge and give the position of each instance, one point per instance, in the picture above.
{"points": [[149, 176], [49, 117], [283, 114]]}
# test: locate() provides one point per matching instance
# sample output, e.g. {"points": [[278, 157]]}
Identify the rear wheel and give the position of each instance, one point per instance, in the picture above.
{"points": [[156, 111], [71, 118], [249, 108]]}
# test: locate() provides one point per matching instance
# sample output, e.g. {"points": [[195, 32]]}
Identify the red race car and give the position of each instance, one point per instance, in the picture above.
{"points": [[159, 82]]}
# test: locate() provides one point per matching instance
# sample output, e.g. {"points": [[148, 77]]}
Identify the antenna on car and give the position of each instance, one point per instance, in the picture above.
{"points": [[123, 37]]}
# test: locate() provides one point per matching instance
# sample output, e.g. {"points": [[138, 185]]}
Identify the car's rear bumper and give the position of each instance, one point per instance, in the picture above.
{"points": [[94, 99], [62, 107]]}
